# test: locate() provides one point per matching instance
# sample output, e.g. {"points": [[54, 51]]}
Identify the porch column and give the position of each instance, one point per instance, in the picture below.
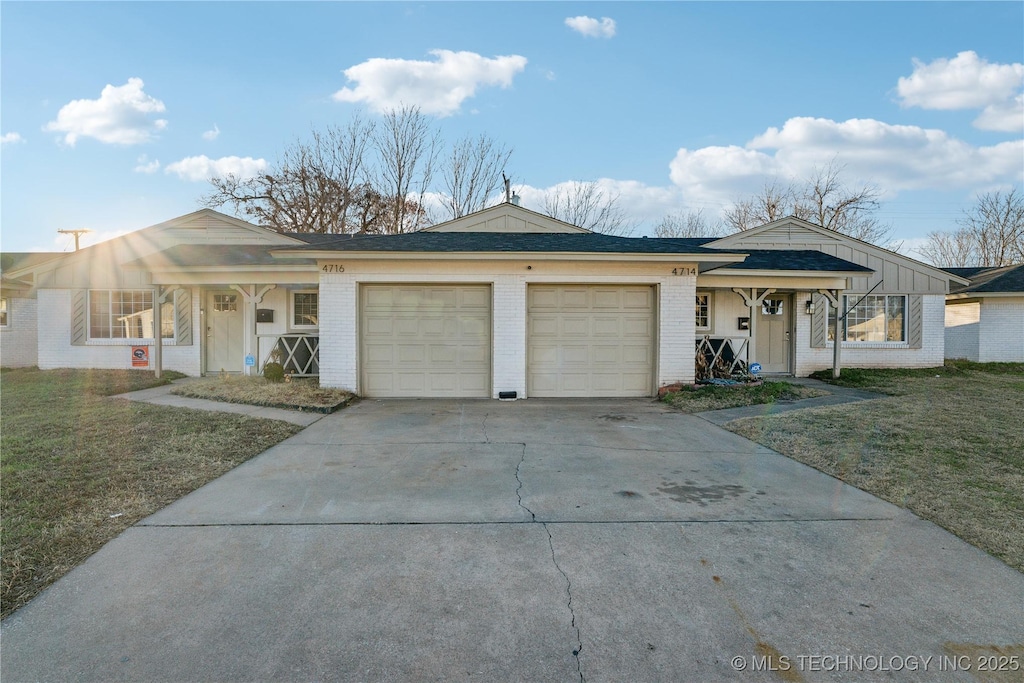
{"points": [[837, 343], [252, 297], [753, 300]]}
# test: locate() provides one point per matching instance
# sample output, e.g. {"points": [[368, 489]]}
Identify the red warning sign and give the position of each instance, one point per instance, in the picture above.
{"points": [[140, 356]]}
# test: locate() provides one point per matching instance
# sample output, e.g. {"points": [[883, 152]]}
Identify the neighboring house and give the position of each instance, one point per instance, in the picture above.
{"points": [[503, 300], [18, 326], [985, 317]]}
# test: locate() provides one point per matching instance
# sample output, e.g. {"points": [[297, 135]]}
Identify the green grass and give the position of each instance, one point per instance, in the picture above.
{"points": [[78, 468], [947, 444], [697, 399], [297, 394]]}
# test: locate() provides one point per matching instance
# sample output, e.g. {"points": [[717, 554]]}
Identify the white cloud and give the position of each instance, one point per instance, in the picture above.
{"points": [[1003, 116], [203, 168], [120, 116], [893, 157], [144, 165], [591, 27], [964, 82], [439, 87], [11, 138], [212, 134]]}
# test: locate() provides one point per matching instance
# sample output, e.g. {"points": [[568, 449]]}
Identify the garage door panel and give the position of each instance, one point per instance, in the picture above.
{"points": [[425, 340], [598, 341]]}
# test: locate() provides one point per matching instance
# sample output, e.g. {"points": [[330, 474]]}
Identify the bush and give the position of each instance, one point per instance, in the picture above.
{"points": [[273, 372]]}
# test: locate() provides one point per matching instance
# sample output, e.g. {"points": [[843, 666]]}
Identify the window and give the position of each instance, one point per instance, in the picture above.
{"points": [[703, 314], [225, 303], [875, 319], [3, 312], [772, 306], [126, 314], [305, 309]]}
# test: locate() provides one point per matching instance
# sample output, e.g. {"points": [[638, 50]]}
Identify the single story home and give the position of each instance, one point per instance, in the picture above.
{"points": [[500, 303], [985, 316]]}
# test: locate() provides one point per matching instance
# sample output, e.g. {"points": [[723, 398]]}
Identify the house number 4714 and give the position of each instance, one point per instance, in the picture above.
{"points": [[684, 271]]}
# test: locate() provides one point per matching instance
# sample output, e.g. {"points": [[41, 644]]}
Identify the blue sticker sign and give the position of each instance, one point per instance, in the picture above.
{"points": [[250, 361], [755, 368]]}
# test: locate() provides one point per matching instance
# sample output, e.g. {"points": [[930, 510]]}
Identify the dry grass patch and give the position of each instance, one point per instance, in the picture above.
{"points": [[79, 468], [299, 394], [697, 399], [948, 448]]}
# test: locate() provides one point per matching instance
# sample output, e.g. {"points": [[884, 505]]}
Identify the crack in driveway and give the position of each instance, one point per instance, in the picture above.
{"points": [[554, 560]]}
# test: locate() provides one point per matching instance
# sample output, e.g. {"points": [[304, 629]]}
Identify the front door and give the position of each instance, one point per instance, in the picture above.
{"points": [[224, 331], [773, 332]]}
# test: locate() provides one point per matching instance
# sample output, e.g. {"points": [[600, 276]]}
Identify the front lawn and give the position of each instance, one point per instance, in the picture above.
{"points": [[697, 399], [296, 394], [78, 468], [947, 444]]}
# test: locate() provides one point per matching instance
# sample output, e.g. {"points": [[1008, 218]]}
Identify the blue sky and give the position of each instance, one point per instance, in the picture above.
{"points": [[111, 114]]}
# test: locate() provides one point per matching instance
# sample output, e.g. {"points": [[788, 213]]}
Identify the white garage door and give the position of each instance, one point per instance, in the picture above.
{"points": [[425, 340], [590, 340]]}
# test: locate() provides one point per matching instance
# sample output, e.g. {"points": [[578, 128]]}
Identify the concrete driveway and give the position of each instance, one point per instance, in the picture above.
{"points": [[532, 541]]}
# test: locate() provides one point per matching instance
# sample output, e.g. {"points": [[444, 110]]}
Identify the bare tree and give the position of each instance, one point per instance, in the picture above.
{"points": [[991, 233], [689, 224], [823, 199], [472, 174], [316, 186], [586, 205], [407, 146]]}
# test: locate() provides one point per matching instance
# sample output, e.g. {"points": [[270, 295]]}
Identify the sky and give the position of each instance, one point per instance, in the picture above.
{"points": [[114, 115]]}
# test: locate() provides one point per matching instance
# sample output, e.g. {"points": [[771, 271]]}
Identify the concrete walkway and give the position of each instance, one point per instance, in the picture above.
{"points": [[162, 396], [533, 541]]}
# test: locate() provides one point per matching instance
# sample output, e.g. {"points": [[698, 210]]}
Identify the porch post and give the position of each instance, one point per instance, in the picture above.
{"points": [[833, 297], [159, 298], [251, 296]]}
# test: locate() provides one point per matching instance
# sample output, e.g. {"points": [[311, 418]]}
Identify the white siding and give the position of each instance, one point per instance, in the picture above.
{"points": [[962, 330], [855, 355], [1002, 330], [56, 351], [18, 339]]}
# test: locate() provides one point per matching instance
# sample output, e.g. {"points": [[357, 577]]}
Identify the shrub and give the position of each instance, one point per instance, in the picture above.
{"points": [[273, 372]]}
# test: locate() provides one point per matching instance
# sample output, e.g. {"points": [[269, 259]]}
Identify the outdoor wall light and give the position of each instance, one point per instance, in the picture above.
{"points": [[810, 308]]}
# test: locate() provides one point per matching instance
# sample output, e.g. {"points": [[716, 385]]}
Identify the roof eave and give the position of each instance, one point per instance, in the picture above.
{"points": [[331, 255]]}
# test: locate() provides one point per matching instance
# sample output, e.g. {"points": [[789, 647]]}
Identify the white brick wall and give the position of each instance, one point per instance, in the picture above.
{"points": [[962, 330], [855, 355], [18, 339], [56, 351], [1001, 331], [339, 307]]}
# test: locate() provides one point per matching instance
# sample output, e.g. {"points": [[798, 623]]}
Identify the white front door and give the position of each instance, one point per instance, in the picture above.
{"points": [[773, 333], [224, 331]]}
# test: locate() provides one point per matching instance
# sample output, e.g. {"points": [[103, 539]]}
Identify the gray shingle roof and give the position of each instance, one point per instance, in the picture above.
{"points": [[211, 255], [991, 280], [462, 242], [795, 259]]}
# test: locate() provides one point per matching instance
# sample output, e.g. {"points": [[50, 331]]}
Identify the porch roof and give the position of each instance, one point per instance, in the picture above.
{"points": [[795, 260], [214, 256]]}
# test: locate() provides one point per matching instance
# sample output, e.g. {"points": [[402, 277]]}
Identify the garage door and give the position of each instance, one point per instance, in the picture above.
{"points": [[425, 340], [590, 340]]}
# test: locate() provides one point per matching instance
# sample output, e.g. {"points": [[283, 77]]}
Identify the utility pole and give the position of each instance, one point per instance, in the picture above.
{"points": [[76, 233]]}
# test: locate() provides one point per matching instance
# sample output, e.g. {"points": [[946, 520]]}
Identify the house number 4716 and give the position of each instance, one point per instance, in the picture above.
{"points": [[333, 268], [684, 271]]}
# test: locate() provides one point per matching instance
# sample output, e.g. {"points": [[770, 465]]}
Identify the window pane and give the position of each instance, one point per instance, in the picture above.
{"points": [[125, 314], [703, 315], [866, 322], [306, 309], [771, 307], [3, 312], [895, 327]]}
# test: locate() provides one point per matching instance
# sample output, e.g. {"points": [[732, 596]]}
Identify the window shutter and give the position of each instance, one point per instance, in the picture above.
{"points": [[183, 317], [79, 317], [915, 320], [819, 322]]}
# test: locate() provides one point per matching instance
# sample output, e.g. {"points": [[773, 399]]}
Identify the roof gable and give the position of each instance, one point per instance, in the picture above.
{"points": [[897, 273], [505, 218]]}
